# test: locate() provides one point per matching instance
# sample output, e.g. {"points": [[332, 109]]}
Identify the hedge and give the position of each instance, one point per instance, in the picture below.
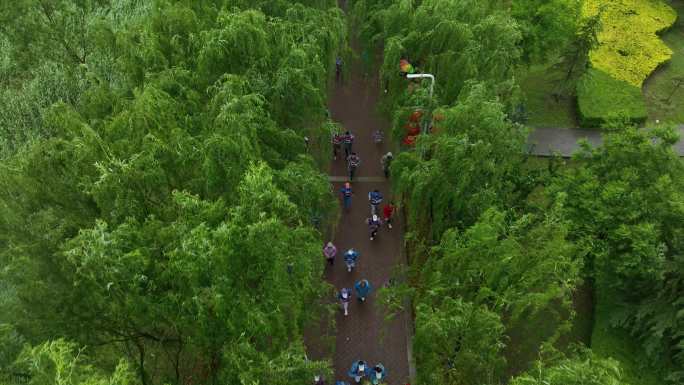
{"points": [[601, 97], [629, 46]]}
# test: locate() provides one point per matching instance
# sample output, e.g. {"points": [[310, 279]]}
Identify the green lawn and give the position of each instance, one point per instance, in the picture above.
{"points": [[538, 85], [658, 88]]}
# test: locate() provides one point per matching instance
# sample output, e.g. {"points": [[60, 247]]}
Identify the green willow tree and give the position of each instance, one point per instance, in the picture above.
{"points": [[62, 363], [625, 205], [458, 343], [484, 269], [546, 26], [472, 162], [584, 369], [164, 210], [477, 37]]}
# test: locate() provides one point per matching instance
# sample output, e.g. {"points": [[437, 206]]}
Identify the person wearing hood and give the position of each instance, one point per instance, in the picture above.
{"points": [[377, 374], [363, 288], [330, 251], [358, 371]]}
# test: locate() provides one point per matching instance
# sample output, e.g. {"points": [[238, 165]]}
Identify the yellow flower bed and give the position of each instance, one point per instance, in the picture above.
{"points": [[629, 48]]}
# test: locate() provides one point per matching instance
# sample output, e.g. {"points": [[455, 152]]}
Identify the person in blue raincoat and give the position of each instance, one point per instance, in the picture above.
{"points": [[358, 371], [363, 288], [350, 258], [374, 198], [377, 374], [346, 193]]}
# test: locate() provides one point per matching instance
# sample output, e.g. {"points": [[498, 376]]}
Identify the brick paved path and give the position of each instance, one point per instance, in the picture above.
{"points": [[364, 333]]}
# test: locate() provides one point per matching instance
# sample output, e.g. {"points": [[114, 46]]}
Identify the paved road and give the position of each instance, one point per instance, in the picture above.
{"points": [[364, 334], [546, 141]]}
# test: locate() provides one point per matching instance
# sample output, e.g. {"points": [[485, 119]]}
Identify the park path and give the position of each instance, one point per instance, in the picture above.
{"points": [[364, 333], [547, 141]]}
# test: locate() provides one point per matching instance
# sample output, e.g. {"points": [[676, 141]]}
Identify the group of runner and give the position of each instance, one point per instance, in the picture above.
{"points": [[358, 371], [362, 288], [346, 140]]}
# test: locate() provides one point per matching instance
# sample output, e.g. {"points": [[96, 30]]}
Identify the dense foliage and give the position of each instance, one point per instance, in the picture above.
{"points": [[147, 156], [587, 369], [495, 267], [626, 206], [160, 210]]}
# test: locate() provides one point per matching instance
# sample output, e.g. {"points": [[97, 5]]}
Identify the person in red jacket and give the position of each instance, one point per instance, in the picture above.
{"points": [[387, 213]]}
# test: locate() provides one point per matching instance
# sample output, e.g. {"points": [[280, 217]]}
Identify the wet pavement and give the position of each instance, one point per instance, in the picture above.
{"points": [[365, 333], [547, 141]]}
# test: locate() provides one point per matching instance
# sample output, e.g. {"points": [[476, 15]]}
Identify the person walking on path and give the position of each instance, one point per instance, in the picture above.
{"points": [[338, 69], [345, 298], [348, 140], [353, 162], [350, 258], [346, 193], [374, 198], [386, 161], [330, 251], [363, 288], [374, 224], [387, 213], [358, 370], [336, 144], [378, 374], [377, 137]]}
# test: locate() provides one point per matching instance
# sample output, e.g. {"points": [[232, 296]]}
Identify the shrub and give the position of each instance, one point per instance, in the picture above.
{"points": [[629, 47], [601, 97]]}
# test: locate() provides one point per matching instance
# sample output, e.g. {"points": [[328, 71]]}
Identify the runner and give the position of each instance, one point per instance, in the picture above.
{"points": [[338, 69], [345, 298], [377, 374], [387, 213], [377, 137], [374, 198], [374, 224], [336, 144], [330, 251], [353, 162], [346, 193], [350, 258], [386, 161], [358, 371], [363, 288], [348, 140]]}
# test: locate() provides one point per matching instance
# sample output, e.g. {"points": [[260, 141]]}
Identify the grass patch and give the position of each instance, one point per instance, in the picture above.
{"points": [[600, 98], [539, 85], [607, 341], [663, 101], [629, 47], [525, 338]]}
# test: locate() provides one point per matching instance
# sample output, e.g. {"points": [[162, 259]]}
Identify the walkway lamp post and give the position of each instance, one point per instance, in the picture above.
{"points": [[432, 87]]}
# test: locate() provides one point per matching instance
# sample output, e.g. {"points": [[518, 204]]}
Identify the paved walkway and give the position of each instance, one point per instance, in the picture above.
{"points": [[547, 141], [364, 333]]}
